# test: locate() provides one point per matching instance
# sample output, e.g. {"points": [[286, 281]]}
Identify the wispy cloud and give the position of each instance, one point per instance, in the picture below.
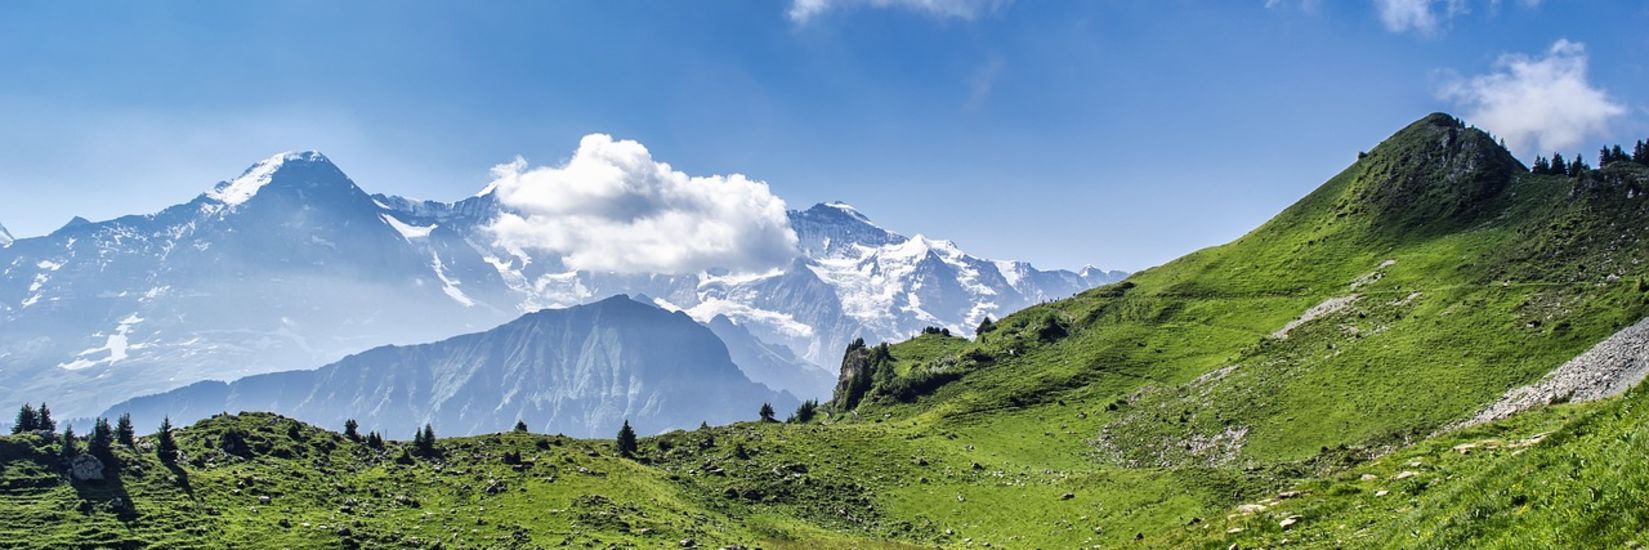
{"points": [[802, 11], [1423, 16], [613, 208], [1537, 103], [983, 82]]}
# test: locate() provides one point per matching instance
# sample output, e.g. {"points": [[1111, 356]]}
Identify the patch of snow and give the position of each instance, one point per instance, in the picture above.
{"points": [[407, 231], [115, 344], [239, 190], [784, 322], [449, 285]]}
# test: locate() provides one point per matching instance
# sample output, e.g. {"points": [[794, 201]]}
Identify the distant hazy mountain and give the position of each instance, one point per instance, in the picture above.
{"points": [[771, 365], [5, 236], [579, 371], [291, 265]]}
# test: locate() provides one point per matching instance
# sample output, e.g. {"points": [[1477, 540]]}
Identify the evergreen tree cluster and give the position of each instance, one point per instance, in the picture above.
{"points": [[1557, 166], [30, 419], [423, 443], [936, 330], [805, 412]]}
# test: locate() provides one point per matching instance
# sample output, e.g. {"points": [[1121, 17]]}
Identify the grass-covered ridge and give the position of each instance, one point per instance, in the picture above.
{"points": [[1330, 343]]}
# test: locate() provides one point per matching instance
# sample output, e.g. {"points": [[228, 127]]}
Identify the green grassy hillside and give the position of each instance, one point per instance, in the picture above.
{"points": [[1330, 343]]}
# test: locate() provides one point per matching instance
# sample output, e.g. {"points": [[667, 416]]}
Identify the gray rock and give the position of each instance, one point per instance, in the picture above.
{"points": [[1608, 369], [86, 467]]}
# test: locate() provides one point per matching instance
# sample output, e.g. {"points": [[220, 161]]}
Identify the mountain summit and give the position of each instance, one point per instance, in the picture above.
{"points": [[291, 265]]}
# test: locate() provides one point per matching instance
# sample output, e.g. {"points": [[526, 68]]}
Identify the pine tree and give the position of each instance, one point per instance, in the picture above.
{"points": [[1541, 167], [69, 449], [27, 420], [805, 412], [985, 326], [101, 444], [350, 430], [425, 441], [520, 426], [124, 433], [767, 413], [1578, 166], [44, 421], [165, 443], [626, 440], [375, 440], [1640, 153], [1559, 166]]}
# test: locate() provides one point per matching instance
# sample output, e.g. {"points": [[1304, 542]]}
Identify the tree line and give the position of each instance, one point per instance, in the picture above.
{"points": [[1557, 166]]}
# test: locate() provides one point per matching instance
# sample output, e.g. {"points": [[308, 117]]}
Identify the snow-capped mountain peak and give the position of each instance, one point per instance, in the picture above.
{"points": [[5, 237], [291, 264], [241, 189]]}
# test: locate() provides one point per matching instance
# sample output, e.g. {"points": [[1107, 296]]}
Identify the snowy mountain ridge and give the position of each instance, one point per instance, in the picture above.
{"points": [[291, 265]]}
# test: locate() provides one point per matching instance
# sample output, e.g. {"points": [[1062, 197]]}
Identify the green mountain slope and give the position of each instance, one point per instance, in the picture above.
{"points": [[1409, 291]]}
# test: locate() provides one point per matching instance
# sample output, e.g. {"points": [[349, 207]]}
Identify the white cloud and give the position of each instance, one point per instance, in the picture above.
{"points": [[1424, 16], [801, 11], [1537, 104], [613, 208]]}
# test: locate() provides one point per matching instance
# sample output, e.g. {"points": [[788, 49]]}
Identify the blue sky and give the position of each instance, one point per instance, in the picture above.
{"points": [[1117, 133]]}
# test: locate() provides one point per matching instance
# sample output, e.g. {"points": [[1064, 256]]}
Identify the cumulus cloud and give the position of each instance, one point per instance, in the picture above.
{"points": [[1537, 104], [1424, 16], [611, 207], [801, 11]]}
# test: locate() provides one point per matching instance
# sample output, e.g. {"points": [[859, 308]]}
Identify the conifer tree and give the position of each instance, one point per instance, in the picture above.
{"points": [[165, 443], [44, 420], [626, 440], [767, 414], [425, 441], [520, 426], [985, 326], [69, 449], [1559, 166], [1541, 166], [1640, 152], [350, 430], [375, 440], [805, 412], [124, 433], [101, 444], [27, 420]]}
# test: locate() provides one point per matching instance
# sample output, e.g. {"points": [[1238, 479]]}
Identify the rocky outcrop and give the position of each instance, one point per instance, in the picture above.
{"points": [[860, 366], [1610, 368], [86, 468]]}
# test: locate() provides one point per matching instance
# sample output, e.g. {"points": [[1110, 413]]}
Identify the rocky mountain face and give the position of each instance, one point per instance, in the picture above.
{"points": [[580, 371], [5, 237], [291, 265]]}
